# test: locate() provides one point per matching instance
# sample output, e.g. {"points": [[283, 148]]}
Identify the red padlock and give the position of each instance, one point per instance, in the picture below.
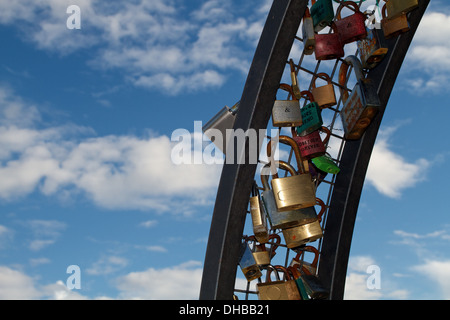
{"points": [[311, 145], [329, 45], [353, 27]]}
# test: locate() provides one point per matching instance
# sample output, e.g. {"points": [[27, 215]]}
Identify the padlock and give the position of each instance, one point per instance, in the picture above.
{"points": [[396, 8], [363, 104], [308, 232], [353, 27], [311, 116], [373, 48], [261, 255], [309, 41], [310, 266], [247, 263], [283, 219], [279, 289], [286, 113], [259, 216], [314, 287], [218, 125], [326, 164], [296, 191], [324, 96], [322, 13], [317, 175], [311, 145], [329, 45], [295, 273], [295, 86], [393, 26]]}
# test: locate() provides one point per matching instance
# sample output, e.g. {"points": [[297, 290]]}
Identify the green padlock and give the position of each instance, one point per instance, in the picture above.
{"points": [[311, 116], [322, 13], [326, 163]]}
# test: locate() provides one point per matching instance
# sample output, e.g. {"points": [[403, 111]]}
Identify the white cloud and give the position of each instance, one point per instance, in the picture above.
{"points": [[389, 172], [147, 40], [107, 265], [16, 285], [114, 171], [438, 271], [181, 282]]}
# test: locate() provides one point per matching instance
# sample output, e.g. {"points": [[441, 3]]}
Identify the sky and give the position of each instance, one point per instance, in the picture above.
{"points": [[86, 175]]}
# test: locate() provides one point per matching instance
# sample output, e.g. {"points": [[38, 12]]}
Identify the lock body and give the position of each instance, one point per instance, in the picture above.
{"points": [[322, 13], [310, 145], [400, 7], [393, 27], [309, 40], [286, 113], [359, 109], [373, 48], [352, 27], [324, 96], [285, 219], [325, 163], [222, 121], [300, 235], [328, 46], [247, 263], [294, 192], [312, 119], [314, 288], [259, 220]]}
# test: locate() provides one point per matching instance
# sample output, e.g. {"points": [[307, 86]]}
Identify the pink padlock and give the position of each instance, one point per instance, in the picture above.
{"points": [[311, 145]]}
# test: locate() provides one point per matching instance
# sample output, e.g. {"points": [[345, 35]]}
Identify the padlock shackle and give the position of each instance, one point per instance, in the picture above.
{"points": [[276, 244], [309, 94], [327, 132], [309, 249], [295, 148], [280, 164], [348, 4], [271, 268], [321, 75], [288, 88], [343, 70]]}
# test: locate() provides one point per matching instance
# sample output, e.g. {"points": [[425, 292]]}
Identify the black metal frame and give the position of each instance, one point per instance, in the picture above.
{"points": [[222, 253]]}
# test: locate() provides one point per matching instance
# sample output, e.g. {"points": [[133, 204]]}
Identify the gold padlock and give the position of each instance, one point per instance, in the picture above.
{"points": [[397, 8], [262, 255], [259, 216], [323, 95], [279, 289], [297, 191], [286, 113], [393, 26], [295, 86], [308, 232], [299, 259]]}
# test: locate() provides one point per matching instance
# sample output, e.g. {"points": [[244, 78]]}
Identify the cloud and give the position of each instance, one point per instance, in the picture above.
{"points": [[438, 271], [107, 265], [386, 164], [115, 172], [16, 285], [180, 282], [154, 43]]}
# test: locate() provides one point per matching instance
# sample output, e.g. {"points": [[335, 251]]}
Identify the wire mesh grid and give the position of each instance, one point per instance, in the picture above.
{"points": [[308, 71]]}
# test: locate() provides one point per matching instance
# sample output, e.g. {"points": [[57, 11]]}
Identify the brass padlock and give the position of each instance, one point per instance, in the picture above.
{"points": [[308, 232], [295, 272], [309, 40], [296, 191], [279, 289], [247, 263], [286, 113], [259, 216], [373, 48], [362, 105], [282, 219], [261, 255], [324, 96], [310, 266], [397, 8], [394, 26]]}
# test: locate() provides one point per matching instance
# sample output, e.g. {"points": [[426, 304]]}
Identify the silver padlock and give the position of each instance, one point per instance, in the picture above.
{"points": [[287, 113]]}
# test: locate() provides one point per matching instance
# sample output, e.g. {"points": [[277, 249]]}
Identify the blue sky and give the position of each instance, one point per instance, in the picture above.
{"points": [[86, 178]]}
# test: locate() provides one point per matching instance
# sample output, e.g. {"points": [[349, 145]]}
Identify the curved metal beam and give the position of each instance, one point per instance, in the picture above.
{"points": [[222, 252]]}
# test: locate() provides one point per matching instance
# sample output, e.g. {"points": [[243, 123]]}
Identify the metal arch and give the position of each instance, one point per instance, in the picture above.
{"points": [[344, 203], [222, 252]]}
